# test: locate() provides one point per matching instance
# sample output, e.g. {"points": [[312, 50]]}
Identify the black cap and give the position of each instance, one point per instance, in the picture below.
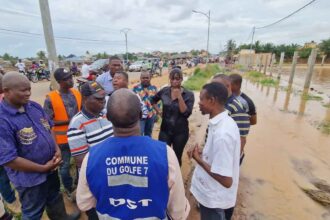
{"points": [[91, 88], [61, 73]]}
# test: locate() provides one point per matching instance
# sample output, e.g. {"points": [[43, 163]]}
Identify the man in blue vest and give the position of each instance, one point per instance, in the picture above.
{"points": [[129, 176]]}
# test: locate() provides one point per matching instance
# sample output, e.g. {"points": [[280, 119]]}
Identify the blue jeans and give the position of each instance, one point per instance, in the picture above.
{"points": [[65, 167], [146, 126], [212, 214], [34, 199], [6, 191]]}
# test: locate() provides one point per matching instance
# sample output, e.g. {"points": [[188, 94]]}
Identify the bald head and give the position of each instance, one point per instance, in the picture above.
{"points": [[124, 109], [225, 80], [14, 79], [16, 88]]}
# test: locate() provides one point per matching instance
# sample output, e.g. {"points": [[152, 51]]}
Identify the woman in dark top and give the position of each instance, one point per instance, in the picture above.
{"points": [[178, 103]]}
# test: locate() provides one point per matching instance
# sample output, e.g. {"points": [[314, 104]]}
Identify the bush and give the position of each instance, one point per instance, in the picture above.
{"points": [[268, 82], [201, 76]]}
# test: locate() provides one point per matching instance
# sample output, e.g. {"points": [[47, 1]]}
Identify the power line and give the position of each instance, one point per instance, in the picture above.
{"points": [[60, 37], [62, 21], [286, 17]]}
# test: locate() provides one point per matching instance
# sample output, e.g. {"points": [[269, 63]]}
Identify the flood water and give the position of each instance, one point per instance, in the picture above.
{"points": [[320, 79]]}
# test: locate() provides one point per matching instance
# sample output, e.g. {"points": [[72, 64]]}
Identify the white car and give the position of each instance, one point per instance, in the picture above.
{"points": [[138, 66]]}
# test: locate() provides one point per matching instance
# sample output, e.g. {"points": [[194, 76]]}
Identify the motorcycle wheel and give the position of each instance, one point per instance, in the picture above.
{"points": [[34, 78]]}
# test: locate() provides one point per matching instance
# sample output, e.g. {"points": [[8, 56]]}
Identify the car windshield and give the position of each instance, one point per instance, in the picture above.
{"points": [[98, 64], [138, 63]]}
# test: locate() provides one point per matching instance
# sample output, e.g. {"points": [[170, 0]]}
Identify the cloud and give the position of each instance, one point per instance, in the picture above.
{"points": [[167, 25]]}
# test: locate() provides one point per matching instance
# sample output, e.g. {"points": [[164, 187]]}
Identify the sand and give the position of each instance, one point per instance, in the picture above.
{"points": [[285, 153]]}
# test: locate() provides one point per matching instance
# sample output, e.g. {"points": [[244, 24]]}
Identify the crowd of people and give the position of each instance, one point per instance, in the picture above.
{"points": [[121, 171]]}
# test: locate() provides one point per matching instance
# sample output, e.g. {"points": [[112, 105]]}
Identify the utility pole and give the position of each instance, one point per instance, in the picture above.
{"points": [[50, 41], [253, 31], [208, 29], [125, 31]]}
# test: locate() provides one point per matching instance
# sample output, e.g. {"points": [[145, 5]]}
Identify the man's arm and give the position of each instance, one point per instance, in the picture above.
{"points": [[22, 164], [253, 119], [223, 180], [178, 206], [85, 199]]}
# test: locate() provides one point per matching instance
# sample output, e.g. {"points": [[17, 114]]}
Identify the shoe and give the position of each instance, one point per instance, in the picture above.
{"points": [[57, 211], [14, 207]]}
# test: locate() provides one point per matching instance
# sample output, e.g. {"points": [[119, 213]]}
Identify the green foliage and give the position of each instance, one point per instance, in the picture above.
{"points": [[305, 52], [271, 48], [324, 127], [8, 57], [230, 48], [269, 82], [256, 76], [325, 47], [326, 105], [201, 76], [41, 55], [307, 96]]}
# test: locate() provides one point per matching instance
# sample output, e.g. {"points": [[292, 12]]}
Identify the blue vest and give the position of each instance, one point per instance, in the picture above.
{"points": [[128, 177]]}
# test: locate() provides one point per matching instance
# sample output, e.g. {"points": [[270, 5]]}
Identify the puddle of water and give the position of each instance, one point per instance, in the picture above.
{"points": [[320, 79]]}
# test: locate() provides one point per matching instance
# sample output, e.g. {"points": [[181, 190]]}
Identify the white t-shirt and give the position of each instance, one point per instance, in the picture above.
{"points": [[85, 70], [222, 153], [20, 66]]}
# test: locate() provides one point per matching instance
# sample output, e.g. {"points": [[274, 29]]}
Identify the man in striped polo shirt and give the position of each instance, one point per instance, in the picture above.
{"points": [[90, 126], [235, 109]]}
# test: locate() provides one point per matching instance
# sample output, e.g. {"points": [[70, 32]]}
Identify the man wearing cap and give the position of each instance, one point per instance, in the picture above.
{"points": [[89, 127], [61, 105]]}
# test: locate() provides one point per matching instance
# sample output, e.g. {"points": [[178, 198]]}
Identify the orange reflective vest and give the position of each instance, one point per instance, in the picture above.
{"points": [[60, 114]]}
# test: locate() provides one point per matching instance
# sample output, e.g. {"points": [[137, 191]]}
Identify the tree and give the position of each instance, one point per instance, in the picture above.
{"points": [[305, 52], [6, 56], [230, 48], [41, 55], [325, 47]]}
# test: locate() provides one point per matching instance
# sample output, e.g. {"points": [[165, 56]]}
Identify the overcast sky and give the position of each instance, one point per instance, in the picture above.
{"points": [[165, 25]]}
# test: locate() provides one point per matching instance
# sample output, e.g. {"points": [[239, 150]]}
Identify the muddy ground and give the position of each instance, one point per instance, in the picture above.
{"points": [[287, 157]]}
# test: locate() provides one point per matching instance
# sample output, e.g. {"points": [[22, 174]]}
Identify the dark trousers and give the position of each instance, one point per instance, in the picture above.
{"points": [[178, 141], [212, 214], [6, 191], [35, 199], [65, 167], [146, 126]]}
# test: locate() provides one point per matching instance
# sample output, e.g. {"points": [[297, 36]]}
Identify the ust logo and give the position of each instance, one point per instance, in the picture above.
{"points": [[130, 203]]}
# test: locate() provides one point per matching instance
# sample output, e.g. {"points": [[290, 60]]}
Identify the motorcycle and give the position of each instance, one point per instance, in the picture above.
{"points": [[35, 75]]}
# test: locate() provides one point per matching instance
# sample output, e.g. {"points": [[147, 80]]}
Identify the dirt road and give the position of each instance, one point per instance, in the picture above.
{"points": [[285, 154]]}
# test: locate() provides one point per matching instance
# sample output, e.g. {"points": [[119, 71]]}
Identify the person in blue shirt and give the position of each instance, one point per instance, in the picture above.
{"points": [[105, 79], [29, 152], [129, 176]]}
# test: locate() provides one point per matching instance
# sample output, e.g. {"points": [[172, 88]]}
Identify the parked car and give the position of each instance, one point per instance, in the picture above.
{"points": [[98, 64], [138, 66]]}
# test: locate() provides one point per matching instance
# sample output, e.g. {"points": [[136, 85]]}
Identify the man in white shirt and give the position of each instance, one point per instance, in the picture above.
{"points": [[85, 69], [215, 179], [20, 66]]}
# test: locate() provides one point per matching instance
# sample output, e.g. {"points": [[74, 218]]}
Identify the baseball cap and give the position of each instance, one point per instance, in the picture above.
{"points": [[61, 73], [92, 88]]}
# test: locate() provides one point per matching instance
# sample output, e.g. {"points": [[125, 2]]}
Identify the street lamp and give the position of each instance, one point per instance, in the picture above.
{"points": [[125, 31], [208, 29]]}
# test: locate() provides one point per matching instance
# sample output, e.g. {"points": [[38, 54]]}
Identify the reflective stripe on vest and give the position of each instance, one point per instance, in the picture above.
{"points": [[128, 178], [60, 114]]}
